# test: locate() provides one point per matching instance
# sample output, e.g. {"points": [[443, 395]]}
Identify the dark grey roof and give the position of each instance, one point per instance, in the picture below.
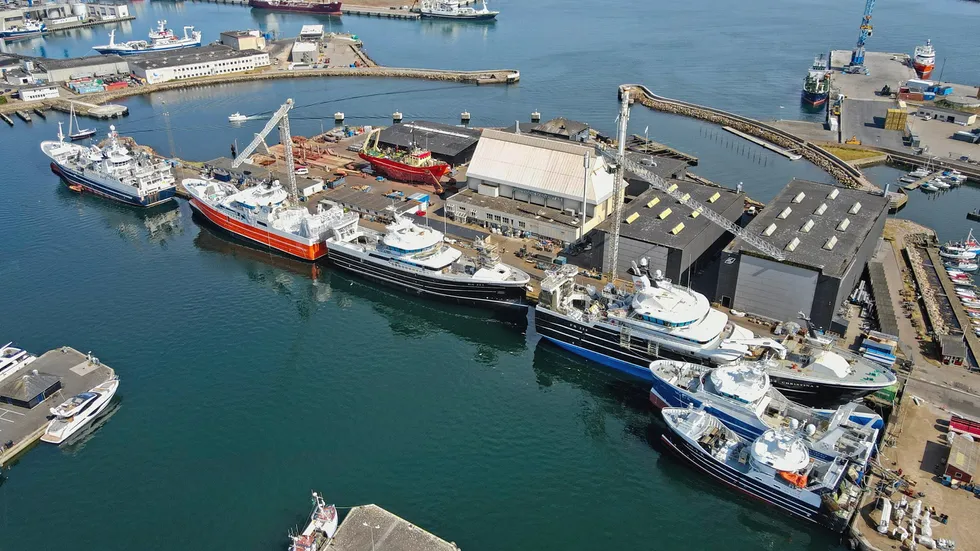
{"points": [[883, 300], [28, 385], [440, 139], [665, 167], [211, 52], [517, 208], [651, 228], [560, 127], [952, 345], [76, 62], [944, 110], [810, 251]]}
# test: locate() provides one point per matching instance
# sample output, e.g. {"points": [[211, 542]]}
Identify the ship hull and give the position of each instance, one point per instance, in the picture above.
{"points": [[76, 181], [19, 35], [405, 173], [815, 99], [924, 70], [332, 8], [603, 346], [259, 237], [499, 296], [747, 485], [114, 50]]}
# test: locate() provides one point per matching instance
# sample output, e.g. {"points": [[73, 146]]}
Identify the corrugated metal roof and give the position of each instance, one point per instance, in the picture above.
{"points": [[540, 165]]}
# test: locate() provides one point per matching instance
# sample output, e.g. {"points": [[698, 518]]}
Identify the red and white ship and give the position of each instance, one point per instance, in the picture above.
{"points": [[924, 60], [263, 216], [415, 165]]}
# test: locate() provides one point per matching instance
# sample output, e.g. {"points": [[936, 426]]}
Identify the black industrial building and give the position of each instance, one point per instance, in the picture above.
{"points": [[452, 144], [826, 233], [29, 389], [672, 236]]}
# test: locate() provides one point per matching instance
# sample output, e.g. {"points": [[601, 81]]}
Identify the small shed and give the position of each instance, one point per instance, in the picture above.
{"points": [[962, 460], [953, 349], [29, 389]]}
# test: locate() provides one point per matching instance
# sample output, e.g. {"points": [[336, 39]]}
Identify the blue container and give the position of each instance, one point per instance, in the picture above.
{"points": [[928, 96]]}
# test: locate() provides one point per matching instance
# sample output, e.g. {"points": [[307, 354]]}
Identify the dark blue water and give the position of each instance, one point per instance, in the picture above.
{"points": [[247, 380]]}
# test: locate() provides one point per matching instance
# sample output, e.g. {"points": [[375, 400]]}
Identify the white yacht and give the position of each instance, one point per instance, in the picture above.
{"points": [[78, 411], [12, 359], [743, 399], [775, 467], [417, 259]]}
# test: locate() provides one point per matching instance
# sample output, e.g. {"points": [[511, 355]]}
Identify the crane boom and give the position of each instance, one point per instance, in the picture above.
{"points": [[857, 56], [623, 163], [281, 118]]}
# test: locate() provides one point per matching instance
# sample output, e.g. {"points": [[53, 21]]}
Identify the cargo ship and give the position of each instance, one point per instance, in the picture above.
{"points": [[816, 85], [323, 8], [924, 60], [162, 39], [415, 165], [115, 171], [262, 216], [27, 29]]}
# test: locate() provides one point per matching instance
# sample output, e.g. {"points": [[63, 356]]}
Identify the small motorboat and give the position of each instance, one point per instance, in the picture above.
{"points": [[919, 172], [975, 315], [964, 265], [956, 253], [965, 293], [927, 187], [908, 180], [939, 183], [237, 117]]}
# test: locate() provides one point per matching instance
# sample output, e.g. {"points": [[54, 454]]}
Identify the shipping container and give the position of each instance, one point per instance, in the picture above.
{"points": [[920, 85], [966, 137], [929, 96]]}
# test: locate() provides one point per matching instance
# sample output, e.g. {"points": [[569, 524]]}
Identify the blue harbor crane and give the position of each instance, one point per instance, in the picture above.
{"points": [[857, 56]]}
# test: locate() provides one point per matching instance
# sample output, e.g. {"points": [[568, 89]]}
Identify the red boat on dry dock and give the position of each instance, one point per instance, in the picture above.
{"points": [[415, 165]]}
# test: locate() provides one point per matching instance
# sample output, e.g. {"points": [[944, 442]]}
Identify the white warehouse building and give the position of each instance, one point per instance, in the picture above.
{"points": [[198, 62], [525, 183]]}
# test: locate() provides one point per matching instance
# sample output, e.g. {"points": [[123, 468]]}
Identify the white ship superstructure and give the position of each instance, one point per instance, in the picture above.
{"points": [[114, 170], [450, 9]]}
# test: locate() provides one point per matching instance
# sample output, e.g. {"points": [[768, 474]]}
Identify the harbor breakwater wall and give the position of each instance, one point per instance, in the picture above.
{"points": [[494, 76], [841, 171]]}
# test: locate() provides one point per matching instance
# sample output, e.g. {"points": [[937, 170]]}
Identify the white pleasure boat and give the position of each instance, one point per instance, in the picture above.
{"points": [[12, 359], [78, 411]]}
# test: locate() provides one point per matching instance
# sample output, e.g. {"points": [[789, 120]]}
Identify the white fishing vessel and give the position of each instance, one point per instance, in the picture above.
{"points": [[27, 29], [417, 259], [450, 9], [955, 251], [742, 397], [237, 117], [320, 530], [162, 39], [264, 216], [774, 467], [115, 170], [12, 359], [78, 411]]}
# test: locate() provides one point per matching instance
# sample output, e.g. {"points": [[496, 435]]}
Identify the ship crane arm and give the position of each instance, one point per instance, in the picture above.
{"points": [[281, 118], [659, 183]]}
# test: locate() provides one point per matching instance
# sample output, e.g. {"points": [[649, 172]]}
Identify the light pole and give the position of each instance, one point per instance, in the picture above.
{"points": [[373, 527]]}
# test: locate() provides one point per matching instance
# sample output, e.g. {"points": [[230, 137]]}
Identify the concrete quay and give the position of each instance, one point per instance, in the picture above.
{"points": [[371, 527], [56, 27], [22, 427], [843, 172], [385, 13], [891, 69]]}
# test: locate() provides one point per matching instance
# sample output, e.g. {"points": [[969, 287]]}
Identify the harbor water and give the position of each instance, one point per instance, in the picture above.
{"points": [[248, 379]]}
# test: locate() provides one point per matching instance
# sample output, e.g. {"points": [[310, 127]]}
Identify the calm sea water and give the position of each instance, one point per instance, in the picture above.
{"points": [[247, 380]]}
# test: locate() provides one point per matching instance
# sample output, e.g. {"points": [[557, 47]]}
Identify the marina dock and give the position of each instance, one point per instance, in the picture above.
{"points": [[371, 527], [958, 311], [916, 184], [21, 427]]}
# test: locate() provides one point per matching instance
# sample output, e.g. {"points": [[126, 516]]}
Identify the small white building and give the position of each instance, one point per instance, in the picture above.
{"points": [[38, 93], [305, 52], [243, 40], [311, 33], [198, 62], [523, 183], [108, 11], [947, 115]]}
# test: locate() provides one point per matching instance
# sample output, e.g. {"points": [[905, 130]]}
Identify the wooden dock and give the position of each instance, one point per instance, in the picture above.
{"points": [[916, 184], [641, 144], [6, 119], [770, 146], [972, 342]]}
